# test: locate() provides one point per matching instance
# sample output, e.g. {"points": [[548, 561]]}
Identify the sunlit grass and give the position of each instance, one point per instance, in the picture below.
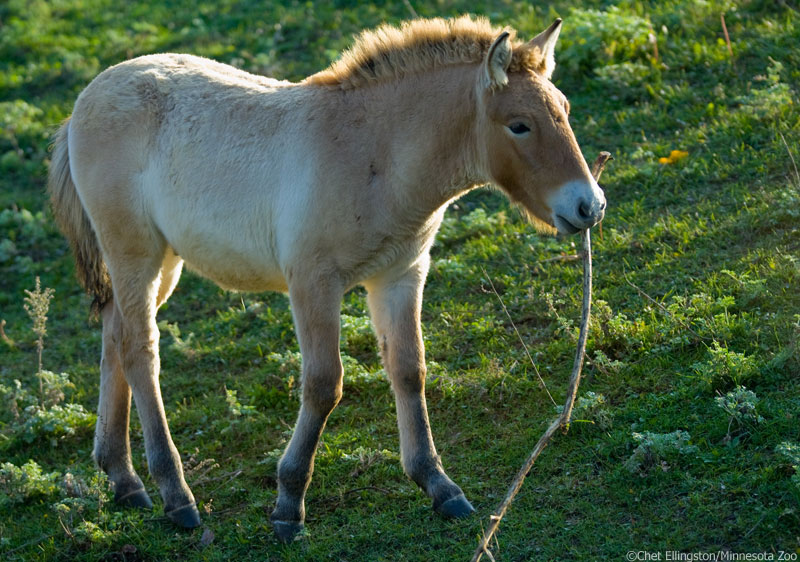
{"points": [[696, 279]]}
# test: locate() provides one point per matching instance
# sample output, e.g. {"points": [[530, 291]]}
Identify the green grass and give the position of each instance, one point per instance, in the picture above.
{"points": [[713, 238]]}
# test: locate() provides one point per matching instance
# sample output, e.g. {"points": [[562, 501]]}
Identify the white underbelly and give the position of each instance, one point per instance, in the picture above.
{"points": [[236, 272], [236, 255]]}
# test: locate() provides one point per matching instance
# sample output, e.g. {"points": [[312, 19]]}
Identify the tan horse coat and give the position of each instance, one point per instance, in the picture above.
{"points": [[309, 188]]}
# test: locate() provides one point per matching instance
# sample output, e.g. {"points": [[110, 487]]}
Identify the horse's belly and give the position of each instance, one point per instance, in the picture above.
{"points": [[231, 264], [238, 276]]}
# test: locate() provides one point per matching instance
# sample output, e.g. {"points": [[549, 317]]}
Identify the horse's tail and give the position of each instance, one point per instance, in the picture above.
{"points": [[73, 221]]}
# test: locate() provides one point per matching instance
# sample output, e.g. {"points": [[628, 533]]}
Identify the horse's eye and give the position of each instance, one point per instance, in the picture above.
{"points": [[518, 128]]}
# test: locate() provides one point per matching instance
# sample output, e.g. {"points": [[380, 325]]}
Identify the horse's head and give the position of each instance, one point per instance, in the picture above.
{"points": [[530, 150]]}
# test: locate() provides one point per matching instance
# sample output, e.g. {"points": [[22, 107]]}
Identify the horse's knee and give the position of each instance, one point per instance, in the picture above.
{"points": [[322, 384], [137, 349], [408, 376], [322, 388]]}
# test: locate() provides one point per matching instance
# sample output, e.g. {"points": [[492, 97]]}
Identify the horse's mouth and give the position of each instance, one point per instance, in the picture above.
{"points": [[564, 226]]}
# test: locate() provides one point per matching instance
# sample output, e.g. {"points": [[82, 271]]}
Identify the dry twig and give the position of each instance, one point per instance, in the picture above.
{"points": [[653, 38], [727, 37], [411, 9], [791, 156], [525, 347], [37, 540], [3, 335], [562, 422], [661, 307], [562, 257]]}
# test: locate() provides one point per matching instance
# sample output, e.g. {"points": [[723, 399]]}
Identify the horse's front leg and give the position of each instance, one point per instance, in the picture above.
{"points": [[316, 316], [395, 305]]}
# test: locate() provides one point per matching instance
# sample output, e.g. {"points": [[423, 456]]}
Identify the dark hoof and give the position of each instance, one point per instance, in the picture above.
{"points": [[187, 516], [286, 531], [137, 498], [457, 507]]}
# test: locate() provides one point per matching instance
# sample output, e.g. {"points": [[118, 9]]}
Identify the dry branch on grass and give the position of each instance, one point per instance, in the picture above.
{"points": [[661, 307], [562, 422], [727, 37]]}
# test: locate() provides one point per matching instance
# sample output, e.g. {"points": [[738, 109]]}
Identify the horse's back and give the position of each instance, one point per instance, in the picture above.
{"points": [[250, 180], [184, 142], [149, 94]]}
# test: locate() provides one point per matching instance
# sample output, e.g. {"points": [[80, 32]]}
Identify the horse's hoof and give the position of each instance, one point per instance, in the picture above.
{"points": [[457, 507], [286, 531], [187, 516], [136, 498]]}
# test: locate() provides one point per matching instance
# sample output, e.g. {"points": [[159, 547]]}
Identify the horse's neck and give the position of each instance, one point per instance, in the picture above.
{"points": [[424, 127]]}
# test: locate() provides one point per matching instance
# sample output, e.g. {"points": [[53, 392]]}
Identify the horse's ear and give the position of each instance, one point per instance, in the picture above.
{"points": [[546, 43], [498, 58]]}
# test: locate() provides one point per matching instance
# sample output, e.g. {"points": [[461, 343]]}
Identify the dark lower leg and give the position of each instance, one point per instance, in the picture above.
{"points": [[316, 313], [112, 450], [141, 367], [163, 459], [419, 457], [296, 467], [395, 307]]}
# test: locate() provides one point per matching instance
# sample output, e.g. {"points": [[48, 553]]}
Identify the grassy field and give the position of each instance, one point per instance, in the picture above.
{"points": [[687, 434]]}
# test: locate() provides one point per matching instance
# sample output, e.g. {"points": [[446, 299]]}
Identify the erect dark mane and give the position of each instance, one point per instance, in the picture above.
{"points": [[417, 46]]}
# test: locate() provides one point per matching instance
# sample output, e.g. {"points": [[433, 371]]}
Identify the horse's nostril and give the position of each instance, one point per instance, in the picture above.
{"points": [[583, 210], [603, 206]]}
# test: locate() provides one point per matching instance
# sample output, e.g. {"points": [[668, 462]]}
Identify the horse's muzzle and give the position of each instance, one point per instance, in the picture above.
{"points": [[577, 205]]}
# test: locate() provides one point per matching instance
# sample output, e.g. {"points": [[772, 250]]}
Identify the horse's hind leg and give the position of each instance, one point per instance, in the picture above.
{"points": [[137, 280], [316, 314], [395, 305], [112, 448]]}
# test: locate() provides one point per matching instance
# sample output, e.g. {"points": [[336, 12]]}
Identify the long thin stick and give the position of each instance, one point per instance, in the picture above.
{"points": [[525, 347], [727, 37], [27, 544], [660, 306], [411, 9], [564, 419], [796, 173]]}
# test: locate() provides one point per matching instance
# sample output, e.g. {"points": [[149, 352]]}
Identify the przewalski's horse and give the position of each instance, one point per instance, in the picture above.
{"points": [[309, 188]]}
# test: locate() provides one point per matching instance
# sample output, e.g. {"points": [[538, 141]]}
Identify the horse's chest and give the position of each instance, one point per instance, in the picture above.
{"points": [[381, 251]]}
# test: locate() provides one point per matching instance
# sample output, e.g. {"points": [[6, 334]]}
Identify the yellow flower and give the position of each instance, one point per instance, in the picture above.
{"points": [[673, 157]]}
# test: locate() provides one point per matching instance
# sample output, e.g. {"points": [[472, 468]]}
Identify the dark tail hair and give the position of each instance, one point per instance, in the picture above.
{"points": [[74, 223]]}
